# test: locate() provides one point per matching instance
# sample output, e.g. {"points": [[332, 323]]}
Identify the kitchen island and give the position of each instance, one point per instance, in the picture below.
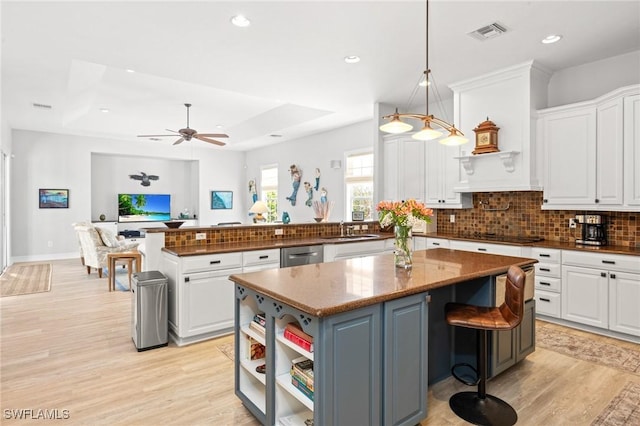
{"points": [[379, 335]]}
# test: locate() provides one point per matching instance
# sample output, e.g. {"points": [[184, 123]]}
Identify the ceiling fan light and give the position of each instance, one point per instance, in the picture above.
{"points": [[455, 138], [427, 133]]}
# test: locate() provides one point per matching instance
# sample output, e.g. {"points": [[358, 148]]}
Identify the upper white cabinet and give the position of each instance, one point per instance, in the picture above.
{"points": [[404, 168], [590, 153], [443, 173], [508, 97], [631, 135]]}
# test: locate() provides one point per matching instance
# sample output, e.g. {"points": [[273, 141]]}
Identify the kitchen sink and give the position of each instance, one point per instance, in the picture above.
{"points": [[352, 237]]}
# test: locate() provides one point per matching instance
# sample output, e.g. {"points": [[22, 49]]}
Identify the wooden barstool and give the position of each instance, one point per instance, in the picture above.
{"points": [[478, 407]]}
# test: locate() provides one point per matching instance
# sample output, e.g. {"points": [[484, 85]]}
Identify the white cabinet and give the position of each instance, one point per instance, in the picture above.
{"points": [[259, 260], [404, 168], [548, 281], [488, 248], [437, 243], [442, 174], [602, 290], [590, 153], [632, 151], [201, 297], [353, 250]]}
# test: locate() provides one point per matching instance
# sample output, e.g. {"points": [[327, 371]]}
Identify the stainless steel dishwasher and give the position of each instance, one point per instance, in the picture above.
{"points": [[303, 255]]}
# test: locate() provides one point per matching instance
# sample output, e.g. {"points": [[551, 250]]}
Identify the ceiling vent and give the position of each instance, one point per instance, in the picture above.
{"points": [[41, 106], [489, 31]]}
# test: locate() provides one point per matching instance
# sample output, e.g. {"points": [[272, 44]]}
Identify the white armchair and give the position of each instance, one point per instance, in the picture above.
{"points": [[96, 243]]}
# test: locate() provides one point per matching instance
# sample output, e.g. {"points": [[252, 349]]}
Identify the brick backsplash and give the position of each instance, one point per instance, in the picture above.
{"points": [[239, 234], [525, 218]]}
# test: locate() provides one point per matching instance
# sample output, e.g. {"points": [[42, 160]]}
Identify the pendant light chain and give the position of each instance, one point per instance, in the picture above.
{"points": [[426, 72]]}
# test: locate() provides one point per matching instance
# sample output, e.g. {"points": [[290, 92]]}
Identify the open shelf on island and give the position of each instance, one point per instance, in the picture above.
{"points": [[250, 366], [253, 334], [284, 380], [280, 337], [295, 419]]}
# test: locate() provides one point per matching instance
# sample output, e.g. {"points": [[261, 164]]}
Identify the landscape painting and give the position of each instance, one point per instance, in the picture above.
{"points": [[53, 198], [221, 199]]}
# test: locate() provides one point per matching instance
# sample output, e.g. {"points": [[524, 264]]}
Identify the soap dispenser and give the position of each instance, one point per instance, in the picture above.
{"points": [[285, 218]]}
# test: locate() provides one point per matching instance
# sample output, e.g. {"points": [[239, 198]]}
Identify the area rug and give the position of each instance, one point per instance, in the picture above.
{"points": [[228, 350], [624, 409], [586, 349], [25, 278]]}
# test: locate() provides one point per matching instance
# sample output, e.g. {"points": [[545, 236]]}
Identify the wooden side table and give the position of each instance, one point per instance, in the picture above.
{"points": [[129, 257]]}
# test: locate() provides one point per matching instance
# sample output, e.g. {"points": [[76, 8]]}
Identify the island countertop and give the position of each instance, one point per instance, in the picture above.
{"points": [[326, 289]]}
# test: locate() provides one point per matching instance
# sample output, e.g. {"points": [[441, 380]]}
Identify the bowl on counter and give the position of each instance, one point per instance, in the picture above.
{"points": [[174, 224]]}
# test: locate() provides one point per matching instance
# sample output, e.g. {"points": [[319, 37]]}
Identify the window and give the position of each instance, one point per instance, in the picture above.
{"points": [[359, 184], [269, 191]]}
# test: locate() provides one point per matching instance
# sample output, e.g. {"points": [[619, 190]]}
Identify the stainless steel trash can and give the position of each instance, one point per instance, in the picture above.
{"points": [[149, 324]]}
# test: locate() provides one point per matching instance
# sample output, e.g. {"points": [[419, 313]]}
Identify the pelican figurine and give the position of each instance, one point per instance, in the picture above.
{"points": [[145, 178]]}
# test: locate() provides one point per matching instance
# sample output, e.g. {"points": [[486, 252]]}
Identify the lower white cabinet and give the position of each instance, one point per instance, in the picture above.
{"points": [[624, 303], [352, 250], [201, 297], [585, 294], [260, 260], [502, 249]]}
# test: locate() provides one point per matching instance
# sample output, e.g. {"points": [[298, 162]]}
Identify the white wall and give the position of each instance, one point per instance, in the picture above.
{"points": [[309, 153], [47, 160], [588, 81]]}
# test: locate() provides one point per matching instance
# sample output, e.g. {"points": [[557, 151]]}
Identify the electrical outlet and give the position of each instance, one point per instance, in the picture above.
{"points": [[356, 227], [572, 223], [50, 244], [279, 231], [201, 235], [365, 227], [452, 218]]}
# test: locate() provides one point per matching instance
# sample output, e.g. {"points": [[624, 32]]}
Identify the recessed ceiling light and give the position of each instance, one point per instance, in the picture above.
{"points": [[275, 135], [553, 38], [219, 126], [352, 59], [130, 71], [240, 21], [104, 109]]}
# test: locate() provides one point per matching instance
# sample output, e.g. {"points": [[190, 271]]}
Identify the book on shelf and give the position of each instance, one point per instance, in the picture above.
{"points": [[257, 328], [302, 368], [302, 379], [260, 319], [304, 344], [302, 387], [295, 329]]}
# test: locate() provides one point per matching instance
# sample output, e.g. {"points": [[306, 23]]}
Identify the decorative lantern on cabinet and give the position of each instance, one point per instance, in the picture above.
{"points": [[486, 137]]}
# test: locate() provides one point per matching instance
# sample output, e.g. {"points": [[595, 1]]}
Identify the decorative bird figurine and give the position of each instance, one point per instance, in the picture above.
{"points": [[145, 178]]}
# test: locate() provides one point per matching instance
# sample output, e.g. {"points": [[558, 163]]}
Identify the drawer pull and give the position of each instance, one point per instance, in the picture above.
{"points": [[482, 249], [544, 255], [613, 276], [266, 256], [544, 299], [609, 262], [215, 262], [545, 269], [435, 244], [603, 274], [544, 283]]}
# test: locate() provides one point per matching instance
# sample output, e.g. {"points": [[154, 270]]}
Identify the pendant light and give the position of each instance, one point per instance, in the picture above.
{"points": [[396, 125]]}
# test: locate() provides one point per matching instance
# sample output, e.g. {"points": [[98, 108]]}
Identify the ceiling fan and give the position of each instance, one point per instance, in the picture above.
{"points": [[187, 133]]}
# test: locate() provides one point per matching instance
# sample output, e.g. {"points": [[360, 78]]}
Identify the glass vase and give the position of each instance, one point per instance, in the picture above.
{"points": [[404, 247]]}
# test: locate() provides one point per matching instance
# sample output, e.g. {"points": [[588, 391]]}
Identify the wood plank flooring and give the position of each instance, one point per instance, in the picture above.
{"points": [[71, 349]]}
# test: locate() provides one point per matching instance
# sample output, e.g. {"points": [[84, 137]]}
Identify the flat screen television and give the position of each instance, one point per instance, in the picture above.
{"points": [[144, 207]]}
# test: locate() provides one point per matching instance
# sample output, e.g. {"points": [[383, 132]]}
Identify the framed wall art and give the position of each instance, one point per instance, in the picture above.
{"points": [[53, 198], [221, 200]]}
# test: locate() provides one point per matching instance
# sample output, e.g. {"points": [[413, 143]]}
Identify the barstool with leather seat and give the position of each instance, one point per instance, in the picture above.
{"points": [[478, 407]]}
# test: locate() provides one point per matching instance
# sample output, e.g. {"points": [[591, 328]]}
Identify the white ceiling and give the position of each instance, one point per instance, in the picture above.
{"points": [[285, 73]]}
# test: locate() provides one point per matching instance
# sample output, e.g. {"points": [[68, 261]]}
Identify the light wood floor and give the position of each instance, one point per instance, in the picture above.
{"points": [[71, 349]]}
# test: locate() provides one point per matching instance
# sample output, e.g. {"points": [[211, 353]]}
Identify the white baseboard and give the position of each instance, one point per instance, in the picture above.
{"points": [[44, 257]]}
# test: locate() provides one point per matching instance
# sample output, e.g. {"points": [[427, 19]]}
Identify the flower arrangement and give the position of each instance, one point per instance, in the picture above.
{"points": [[402, 213]]}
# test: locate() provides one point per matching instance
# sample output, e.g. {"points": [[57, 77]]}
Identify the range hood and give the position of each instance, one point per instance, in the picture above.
{"points": [[510, 98]]}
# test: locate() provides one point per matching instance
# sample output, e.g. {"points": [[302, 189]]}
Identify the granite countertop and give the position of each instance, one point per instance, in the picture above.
{"points": [[325, 289], [560, 245], [218, 248]]}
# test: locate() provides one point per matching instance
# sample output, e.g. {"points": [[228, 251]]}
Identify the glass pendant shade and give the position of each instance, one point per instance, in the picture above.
{"points": [[454, 139], [427, 133], [396, 126]]}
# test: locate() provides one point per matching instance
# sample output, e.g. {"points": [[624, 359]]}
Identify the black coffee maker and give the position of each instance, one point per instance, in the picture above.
{"points": [[594, 230]]}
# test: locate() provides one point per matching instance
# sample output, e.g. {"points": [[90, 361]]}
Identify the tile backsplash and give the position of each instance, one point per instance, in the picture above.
{"points": [[519, 214]]}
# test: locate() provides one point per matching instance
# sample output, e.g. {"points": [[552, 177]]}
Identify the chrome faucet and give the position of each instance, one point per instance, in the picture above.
{"points": [[342, 228]]}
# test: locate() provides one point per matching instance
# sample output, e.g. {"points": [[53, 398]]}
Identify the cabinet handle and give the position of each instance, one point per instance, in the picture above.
{"points": [[544, 283], [545, 201], [545, 269], [266, 256], [544, 299], [482, 249], [613, 276], [435, 244], [214, 262], [603, 274], [544, 255], [609, 262], [597, 201]]}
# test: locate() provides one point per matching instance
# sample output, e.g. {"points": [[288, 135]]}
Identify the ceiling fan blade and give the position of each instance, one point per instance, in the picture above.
{"points": [[213, 135], [178, 141], [154, 136], [169, 130], [213, 141]]}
